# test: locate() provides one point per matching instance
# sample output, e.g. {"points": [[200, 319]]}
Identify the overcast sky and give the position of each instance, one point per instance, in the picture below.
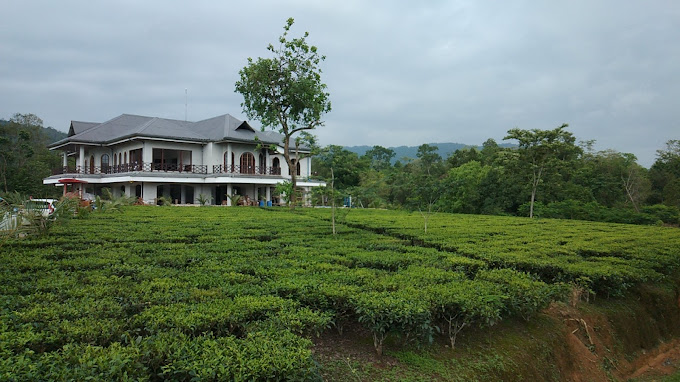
{"points": [[399, 72]]}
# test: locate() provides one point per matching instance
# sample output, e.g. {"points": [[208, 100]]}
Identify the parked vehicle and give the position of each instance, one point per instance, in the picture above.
{"points": [[43, 206]]}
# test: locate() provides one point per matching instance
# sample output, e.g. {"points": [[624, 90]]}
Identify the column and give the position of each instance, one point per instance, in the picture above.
{"points": [[147, 153], [266, 162], [228, 193], [229, 164], [81, 159], [149, 192], [269, 193]]}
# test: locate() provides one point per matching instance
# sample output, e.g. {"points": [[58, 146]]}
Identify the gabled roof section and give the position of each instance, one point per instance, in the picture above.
{"points": [[245, 126], [217, 129], [78, 127], [227, 128]]}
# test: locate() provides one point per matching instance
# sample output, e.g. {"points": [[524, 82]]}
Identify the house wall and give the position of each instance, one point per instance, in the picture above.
{"points": [[197, 155], [196, 150]]}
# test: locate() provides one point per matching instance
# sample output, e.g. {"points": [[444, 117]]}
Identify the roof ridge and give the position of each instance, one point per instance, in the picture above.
{"points": [[98, 126], [145, 125]]}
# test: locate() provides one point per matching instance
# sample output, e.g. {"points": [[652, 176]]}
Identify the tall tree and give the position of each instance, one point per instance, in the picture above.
{"points": [[24, 159], [665, 175], [346, 166], [380, 158], [285, 92], [540, 150], [429, 158]]}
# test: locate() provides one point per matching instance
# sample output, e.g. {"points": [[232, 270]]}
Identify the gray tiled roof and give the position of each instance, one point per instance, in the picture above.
{"points": [[78, 127], [220, 128]]}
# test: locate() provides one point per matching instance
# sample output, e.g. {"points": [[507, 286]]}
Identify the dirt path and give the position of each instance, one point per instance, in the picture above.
{"points": [[662, 361]]}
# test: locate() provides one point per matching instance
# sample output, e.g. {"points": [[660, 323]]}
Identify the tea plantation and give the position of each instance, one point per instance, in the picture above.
{"points": [[172, 293]]}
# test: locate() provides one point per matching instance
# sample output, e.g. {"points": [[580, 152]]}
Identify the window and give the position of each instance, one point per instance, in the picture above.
{"points": [[91, 164], [247, 163]]}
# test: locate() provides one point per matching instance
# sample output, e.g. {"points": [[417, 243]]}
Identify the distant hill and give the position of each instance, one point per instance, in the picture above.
{"points": [[53, 134], [445, 149]]}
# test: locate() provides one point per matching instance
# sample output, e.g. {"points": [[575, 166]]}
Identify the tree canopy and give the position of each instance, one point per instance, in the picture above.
{"points": [[285, 92]]}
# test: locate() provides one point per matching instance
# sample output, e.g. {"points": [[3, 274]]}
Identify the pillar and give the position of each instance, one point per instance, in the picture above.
{"points": [[266, 162], [229, 164], [229, 194], [81, 159]]}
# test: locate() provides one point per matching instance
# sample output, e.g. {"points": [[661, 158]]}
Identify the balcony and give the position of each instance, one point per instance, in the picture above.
{"points": [[132, 167], [246, 170], [174, 168]]}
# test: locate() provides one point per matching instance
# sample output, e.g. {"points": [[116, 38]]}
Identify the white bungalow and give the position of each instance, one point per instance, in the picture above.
{"points": [[147, 157]]}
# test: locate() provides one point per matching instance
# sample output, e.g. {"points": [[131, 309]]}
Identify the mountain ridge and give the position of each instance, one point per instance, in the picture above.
{"points": [[403, 152]]}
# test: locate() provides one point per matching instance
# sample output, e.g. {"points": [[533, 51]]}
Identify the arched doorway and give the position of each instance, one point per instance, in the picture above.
{"points": [[276, 167], [247, 163], [105, 164]]}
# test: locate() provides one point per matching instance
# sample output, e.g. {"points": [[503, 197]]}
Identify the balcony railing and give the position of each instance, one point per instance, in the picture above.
{"points": [[132, 167], [157, 167], [246, 170]]}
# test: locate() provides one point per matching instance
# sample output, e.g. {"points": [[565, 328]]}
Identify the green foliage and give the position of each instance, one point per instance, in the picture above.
{"points": [[665, 175], [542, 151], [164, 201], [346, 165], [24, 158], [285, 93], [203, 199], [573, 209], [285, 191], [19, 217], [194, 293], [380, 158]]}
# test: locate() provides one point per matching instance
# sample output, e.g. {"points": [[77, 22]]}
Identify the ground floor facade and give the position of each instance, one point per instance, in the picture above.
{"points": [[183, 189]]}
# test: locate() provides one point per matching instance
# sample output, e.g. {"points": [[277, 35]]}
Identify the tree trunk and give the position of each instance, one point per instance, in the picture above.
{"points": [[537, 178], [292, 170], [628, 186], [333, 200]]}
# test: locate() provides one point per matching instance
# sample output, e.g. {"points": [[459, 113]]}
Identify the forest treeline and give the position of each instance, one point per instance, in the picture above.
{"points": [[24, 157], [548, 174]]}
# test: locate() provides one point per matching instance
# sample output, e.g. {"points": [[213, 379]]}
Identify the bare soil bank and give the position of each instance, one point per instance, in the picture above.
{"points": [[636, 337]]}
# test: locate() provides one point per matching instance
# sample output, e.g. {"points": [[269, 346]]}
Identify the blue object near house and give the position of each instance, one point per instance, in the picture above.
{"points": [[347, 202]]}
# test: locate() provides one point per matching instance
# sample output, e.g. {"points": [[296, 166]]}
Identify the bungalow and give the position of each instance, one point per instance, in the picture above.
{"points": [[148, 157]]}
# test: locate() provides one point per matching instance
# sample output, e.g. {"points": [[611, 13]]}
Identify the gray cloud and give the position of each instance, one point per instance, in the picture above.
{"points": [[399, 73]]}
